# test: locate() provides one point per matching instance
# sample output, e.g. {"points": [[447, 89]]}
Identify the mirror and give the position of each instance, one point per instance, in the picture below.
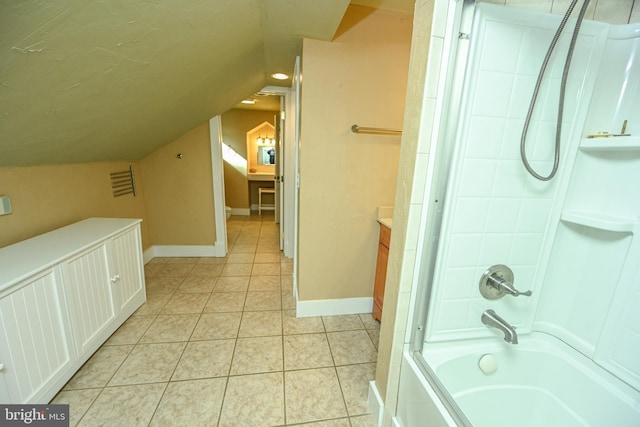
{"points": [[266, 155]]}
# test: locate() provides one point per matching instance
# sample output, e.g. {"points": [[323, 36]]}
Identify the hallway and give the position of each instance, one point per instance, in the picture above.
{"points": [[218, 344]]}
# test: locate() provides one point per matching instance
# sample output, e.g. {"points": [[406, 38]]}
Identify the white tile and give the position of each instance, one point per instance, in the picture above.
{"points": [[440, 13], [469, 214], [502, 215], [419, 178], [436, 48], [464, 250], [427, 117], [477, 177]]}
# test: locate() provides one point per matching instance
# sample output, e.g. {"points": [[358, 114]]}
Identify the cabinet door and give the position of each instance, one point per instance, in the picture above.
{"points": [[381, 276], [127, 272], [34, 349], [88, 290]]}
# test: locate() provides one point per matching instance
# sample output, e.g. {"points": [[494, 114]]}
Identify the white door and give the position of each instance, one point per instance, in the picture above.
{"points": [[294, 180]]}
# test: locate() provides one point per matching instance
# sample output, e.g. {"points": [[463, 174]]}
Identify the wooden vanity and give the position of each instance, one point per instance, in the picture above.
{"points": [[381, 271]]}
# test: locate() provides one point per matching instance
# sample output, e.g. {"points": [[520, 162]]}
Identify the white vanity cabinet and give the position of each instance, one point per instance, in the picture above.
{"points": [[62, 294]]}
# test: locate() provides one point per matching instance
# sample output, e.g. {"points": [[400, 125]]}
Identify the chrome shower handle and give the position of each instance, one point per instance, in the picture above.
{"points": [[505, 287], [497, 282]]}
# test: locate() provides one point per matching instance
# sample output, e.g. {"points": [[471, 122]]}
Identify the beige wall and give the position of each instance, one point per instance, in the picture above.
{"points": [[360, 77], [179, 192], [44, 198], [235, 125]]}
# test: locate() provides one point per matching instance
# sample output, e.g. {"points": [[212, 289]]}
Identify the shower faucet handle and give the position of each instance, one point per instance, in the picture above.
{"points": [[497, 282]]}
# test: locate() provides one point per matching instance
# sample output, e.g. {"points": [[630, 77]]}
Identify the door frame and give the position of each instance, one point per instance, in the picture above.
{"points": [[290, 167]]}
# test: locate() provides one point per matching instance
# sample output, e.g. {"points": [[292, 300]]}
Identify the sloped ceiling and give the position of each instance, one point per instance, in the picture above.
{"points": [[84, 80]]}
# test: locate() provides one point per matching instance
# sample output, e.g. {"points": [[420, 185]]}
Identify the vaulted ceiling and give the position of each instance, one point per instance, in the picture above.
{"points": [[84, 80]]}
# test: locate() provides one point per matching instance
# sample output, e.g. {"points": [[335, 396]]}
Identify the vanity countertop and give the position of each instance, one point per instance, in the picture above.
{"points": [[385, 215], [388, 222], [261, 176]]}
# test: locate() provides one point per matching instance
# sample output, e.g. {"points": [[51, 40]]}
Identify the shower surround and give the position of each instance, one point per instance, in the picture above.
{"points": [[572, 241]]}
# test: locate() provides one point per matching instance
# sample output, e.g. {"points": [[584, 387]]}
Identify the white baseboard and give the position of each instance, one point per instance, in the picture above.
{"points": [[241, 211], [376, 405], [184, 251], [334, 307]]}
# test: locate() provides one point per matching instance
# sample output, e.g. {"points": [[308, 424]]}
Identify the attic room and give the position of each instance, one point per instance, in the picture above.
{"points": [[341, 303]]}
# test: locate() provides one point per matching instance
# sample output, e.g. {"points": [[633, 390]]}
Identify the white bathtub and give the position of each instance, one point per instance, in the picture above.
{"points": [[539, 382]]}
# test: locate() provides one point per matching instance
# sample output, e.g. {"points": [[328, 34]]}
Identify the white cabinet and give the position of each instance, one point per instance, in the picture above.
{"points": [[62, 294]]}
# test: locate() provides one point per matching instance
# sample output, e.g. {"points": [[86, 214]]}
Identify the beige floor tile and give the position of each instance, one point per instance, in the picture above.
{"points": [[152, 270], [190, 403], [306, 351], [176, 269], [300, 325], [313, 395], [183, 260], [99, 369], [211, 260], [269, 247], [221, 302], [170, 328], [205, 359], [271, 269], [253, 400], [185, 303], [159, 260], [215, 326], [163, 284], [206, 270], [264, 300], [148, 363], [154, 304], [354, 381], [264, 283], [243, 248], [364, 421], [288, 301], [369, 322], [240, 258], [350, 347], [236, 270], [130, 406], [131, 331], [339, 422], [375, 336], [286, 281], [197, 284], [267, 257], [78, 401], [342, 323], [232, 284], [260, 324], [257, 355], [286, 268], [247, 240]]}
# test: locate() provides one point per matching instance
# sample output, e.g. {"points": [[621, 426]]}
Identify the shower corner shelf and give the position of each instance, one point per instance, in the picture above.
{"points": [[619, 143], [600, 222]]}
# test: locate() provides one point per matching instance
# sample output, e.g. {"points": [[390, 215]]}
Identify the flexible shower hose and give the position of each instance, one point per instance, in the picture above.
{"points": [[563, 86]]}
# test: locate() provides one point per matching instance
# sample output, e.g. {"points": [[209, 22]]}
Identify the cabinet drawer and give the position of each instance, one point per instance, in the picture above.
{"points": [[385, 235]]}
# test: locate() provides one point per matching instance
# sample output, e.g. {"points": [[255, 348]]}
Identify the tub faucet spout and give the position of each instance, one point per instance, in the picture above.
{"points": [[491, 318]]}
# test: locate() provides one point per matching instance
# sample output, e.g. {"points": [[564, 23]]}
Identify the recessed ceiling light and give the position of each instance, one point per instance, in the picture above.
{"points": [[280, 76], [248, 101]]}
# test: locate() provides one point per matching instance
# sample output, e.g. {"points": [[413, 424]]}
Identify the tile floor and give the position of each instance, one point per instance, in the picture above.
{"points": [[218, 344]]}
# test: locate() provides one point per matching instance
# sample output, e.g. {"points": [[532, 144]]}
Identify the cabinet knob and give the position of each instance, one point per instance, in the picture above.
{"points": [[1, 367], [115, 278]]}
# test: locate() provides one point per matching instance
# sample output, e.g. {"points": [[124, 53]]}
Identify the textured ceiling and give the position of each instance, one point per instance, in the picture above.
{"points": [[84, 81]]}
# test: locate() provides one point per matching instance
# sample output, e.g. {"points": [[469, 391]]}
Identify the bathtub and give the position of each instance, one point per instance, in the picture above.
{"points": [[539, 382]]}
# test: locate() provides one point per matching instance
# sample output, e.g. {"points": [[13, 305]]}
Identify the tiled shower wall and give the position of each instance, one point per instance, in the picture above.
{"points": [[497, 212], [609, 11]]}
